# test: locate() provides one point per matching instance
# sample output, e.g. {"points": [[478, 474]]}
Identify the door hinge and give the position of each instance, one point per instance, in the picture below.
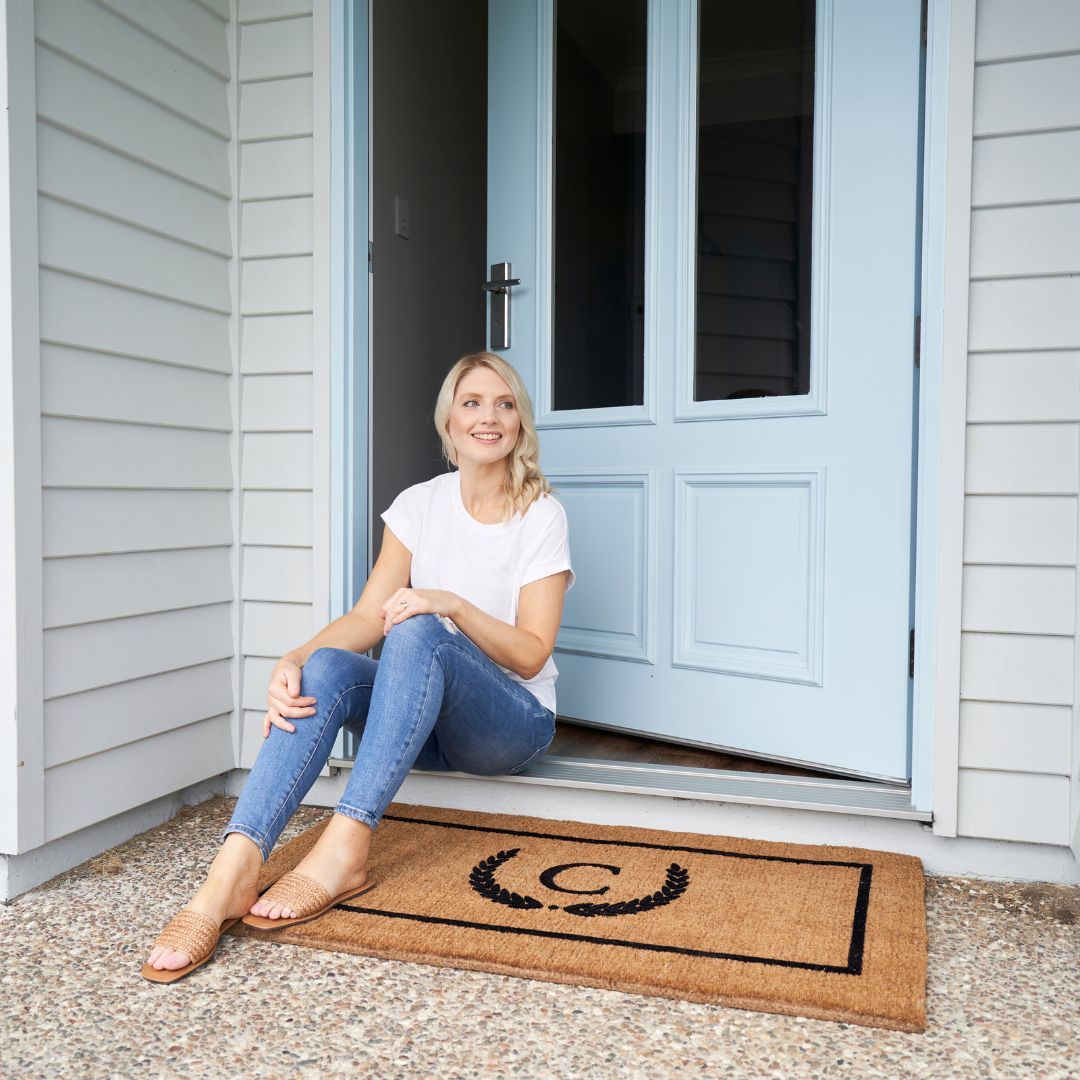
{"points": [[918, 337], [370, 250], [922, 23], [911, 654]]}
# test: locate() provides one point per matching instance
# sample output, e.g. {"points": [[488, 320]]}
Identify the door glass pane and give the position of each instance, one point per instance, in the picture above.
{"points": [[599, 204], [755, 191]]}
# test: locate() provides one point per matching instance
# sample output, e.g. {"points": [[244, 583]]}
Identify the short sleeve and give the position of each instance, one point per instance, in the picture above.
{"points": [[404, 516], [551, 551]]}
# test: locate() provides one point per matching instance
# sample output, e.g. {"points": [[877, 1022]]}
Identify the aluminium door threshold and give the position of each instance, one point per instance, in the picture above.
{"points": [[830, 794]]}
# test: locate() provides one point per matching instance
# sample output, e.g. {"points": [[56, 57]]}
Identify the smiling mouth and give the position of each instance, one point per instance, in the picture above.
{"points": [[492, 438]]}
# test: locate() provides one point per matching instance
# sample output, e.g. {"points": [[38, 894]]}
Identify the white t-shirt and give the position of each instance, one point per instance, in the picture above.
{"points": [[486, 564]]}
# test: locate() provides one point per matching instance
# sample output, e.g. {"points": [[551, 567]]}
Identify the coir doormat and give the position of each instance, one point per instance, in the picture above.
{"points": [[825, 932]]}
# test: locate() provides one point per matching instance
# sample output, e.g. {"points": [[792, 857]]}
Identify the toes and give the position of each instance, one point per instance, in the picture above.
{"points": [[268, 909], [167, 959]]}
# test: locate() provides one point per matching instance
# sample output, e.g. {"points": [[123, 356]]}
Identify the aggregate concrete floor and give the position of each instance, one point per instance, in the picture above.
{"points": [[1003, 996]]}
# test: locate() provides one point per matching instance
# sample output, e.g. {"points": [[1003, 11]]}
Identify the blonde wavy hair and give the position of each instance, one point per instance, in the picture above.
{"points": [[524, 481]]}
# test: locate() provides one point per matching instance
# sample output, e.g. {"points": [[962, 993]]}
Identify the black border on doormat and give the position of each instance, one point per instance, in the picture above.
{"points": [[858, 926]]}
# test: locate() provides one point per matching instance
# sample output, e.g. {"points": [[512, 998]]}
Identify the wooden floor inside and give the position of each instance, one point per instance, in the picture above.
{"points": [[579, 741]]}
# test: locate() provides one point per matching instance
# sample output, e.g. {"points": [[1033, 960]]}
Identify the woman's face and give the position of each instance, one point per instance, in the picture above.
{"points": [[484, 422]]}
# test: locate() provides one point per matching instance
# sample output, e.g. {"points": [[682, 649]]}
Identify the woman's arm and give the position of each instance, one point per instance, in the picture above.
{"points": [[523, 648], [362, 628]]}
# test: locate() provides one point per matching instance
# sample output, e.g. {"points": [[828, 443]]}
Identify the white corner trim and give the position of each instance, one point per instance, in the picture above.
{"points": [[9, 636], [22, 776]]}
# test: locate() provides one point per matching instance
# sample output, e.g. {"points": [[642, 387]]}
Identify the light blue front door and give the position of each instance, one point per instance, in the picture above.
{"points": [[741, 517]]}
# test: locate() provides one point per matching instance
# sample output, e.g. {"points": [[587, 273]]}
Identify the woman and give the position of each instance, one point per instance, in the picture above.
{"points": [[468, 594]]}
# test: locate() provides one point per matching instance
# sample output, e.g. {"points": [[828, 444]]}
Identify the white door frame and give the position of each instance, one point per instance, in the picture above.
{"points": [[939, 503], [939, 497]]}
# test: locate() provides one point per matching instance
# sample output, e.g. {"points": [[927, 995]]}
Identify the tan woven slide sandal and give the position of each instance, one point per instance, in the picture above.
{"points": [[190, 932], [301, 894]]}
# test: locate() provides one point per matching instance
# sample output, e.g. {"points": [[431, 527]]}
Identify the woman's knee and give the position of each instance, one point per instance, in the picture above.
{"points": [[325, 668], [424, 631]]}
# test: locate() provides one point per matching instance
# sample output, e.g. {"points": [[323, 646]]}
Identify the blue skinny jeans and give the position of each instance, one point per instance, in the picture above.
{"points": [[433, 700]]}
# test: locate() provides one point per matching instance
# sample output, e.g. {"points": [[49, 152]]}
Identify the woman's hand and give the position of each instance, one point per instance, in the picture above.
{"points": [[283, 697], [417, 602]]}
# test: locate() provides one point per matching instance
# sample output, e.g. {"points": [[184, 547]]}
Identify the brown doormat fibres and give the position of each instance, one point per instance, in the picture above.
{"points": [[825, 932]]}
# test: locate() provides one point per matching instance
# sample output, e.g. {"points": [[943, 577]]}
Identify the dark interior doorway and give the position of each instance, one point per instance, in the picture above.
{"points": [[428, 228]]}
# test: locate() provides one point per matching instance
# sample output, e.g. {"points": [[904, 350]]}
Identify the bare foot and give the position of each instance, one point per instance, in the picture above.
{"points": [[338, 861], [230, 888]]}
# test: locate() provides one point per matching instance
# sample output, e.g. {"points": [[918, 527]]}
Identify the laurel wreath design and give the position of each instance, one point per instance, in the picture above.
{"points": [[482, 879]]}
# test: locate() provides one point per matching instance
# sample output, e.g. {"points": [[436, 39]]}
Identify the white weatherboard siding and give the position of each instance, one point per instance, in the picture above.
{"points": [[1019, 736], [135, 242], [276, 185]]}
